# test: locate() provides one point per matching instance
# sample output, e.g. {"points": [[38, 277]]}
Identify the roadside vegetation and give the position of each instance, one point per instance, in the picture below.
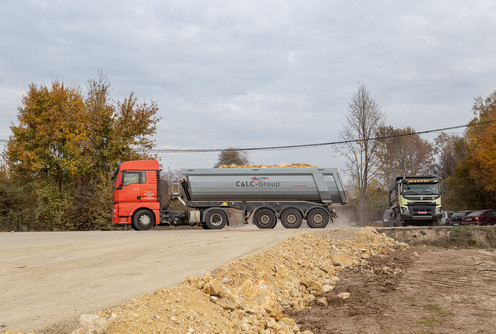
{"points": [[453, 237], [376, 153], [56, 169], [64, 148]]}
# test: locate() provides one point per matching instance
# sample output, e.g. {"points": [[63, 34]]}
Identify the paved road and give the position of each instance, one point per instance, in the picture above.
{"points": [[51, 277]]}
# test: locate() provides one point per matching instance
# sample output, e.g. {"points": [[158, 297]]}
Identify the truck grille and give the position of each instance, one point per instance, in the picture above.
{"points": [[427, 209]]}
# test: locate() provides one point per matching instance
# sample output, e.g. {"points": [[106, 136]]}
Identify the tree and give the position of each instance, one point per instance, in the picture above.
{"points": [[473, 184], [46, 142], [363, 120], [403, 153], [377, 201], [66, 146], [447, 158], [482, 142], [232, 156]]}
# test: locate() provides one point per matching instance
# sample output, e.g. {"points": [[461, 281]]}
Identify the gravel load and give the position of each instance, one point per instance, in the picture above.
{"points": [[283, 165]]}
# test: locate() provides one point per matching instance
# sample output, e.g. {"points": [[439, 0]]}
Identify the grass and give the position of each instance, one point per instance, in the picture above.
{"points": [[449, 236], [430, 321], [434, 308], [411, 300], [437, 315]]}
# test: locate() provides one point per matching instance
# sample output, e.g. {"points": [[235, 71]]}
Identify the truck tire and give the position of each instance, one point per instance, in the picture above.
{"points": [[317, 218], [436, 222], [398, 222], [143, 220], [291, 218], [265, 219], [215, 219]]}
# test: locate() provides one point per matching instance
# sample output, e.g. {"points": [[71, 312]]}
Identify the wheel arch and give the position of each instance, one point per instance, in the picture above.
{"points": [[307, 210], [135, 209], [258, 208], [295, 207]]}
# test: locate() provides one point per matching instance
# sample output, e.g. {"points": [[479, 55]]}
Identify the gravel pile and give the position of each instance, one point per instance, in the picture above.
{"points": [[251, 294]]}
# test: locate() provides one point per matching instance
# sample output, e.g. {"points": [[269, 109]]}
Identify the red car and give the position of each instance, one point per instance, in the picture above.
{"points": [[480, 217]]}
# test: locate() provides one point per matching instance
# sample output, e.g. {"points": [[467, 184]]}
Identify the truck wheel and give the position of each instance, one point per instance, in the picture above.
{"points": [[317, 218], [215, 219], [291, 218], [143, 220], [397, 221], [265, 219], [436, 222]]}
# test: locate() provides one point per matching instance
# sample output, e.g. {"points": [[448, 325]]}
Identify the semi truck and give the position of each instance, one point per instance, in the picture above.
{"points": [[264, 194], [415, 200]]}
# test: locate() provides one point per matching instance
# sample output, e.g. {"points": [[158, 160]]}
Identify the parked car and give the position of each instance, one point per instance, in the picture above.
{"points": [[446, 217], [480, 217], [387, 219], [456, 218]]}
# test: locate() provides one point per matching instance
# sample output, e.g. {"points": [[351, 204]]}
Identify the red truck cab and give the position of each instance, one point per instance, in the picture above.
{"points": [[136, 194]]}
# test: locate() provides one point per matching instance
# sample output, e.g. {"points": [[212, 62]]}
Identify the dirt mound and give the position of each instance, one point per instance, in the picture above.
{"points": [[254, 293], [449, 237], [359, 295], [283, 165]]}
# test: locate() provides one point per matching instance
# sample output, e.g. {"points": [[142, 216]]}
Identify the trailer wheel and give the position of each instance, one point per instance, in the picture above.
{"points": [[143, 220], [215, 219], [318, 218], [265, 219], [291, 218]]}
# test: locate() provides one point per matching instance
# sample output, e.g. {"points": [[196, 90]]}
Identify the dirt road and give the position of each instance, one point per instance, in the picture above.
{"points": [[47, 278]]}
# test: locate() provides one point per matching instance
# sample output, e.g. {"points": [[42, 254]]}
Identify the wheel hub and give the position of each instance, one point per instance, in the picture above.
{"points": [[265, 219], [216, 219], [318, 218], [145, 220], [291, 219]]}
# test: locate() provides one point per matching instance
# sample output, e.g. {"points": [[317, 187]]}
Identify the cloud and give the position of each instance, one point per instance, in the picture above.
{"points": [[257, 73]]}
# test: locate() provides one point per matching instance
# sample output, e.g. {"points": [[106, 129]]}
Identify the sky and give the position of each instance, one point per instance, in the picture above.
{"points": [[256, 73]]}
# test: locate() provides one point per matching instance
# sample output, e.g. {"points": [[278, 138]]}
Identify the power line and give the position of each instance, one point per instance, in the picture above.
{"points": [[286, 147]]}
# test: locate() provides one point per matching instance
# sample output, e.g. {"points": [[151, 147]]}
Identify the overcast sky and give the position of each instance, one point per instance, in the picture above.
{"points": [[256, 73]]}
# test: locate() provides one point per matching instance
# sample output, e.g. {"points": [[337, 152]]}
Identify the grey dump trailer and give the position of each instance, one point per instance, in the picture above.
{"points": [[265, 194]]}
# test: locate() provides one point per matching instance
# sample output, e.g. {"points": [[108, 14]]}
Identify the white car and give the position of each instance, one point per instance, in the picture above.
{"points": [[446, 217]]}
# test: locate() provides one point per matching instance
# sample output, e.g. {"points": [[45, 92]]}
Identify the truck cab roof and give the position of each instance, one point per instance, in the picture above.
{"points": [[140, 165]]}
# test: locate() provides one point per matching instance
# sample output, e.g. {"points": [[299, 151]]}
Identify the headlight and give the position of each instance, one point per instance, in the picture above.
{"points": [[404, 210], [438, 210]]}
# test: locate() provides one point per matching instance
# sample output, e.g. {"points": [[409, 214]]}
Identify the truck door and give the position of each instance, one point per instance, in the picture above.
{"points": [[149, 186], [130, 190]]}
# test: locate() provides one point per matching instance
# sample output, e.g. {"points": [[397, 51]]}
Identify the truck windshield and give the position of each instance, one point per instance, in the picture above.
{"points": [[421, 189]]}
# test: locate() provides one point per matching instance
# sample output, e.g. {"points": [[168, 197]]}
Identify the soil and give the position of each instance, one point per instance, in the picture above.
{"points": [[338, 281], [420, 290]]}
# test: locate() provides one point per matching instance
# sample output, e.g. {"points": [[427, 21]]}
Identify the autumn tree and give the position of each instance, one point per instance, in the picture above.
{"points": [[473, 183], [363, 120], [66, 145], [402, 152], [232, 156], [482, 141]]}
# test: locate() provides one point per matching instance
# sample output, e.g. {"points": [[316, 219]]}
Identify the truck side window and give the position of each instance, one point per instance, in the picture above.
{"points": [[133, 177]]}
